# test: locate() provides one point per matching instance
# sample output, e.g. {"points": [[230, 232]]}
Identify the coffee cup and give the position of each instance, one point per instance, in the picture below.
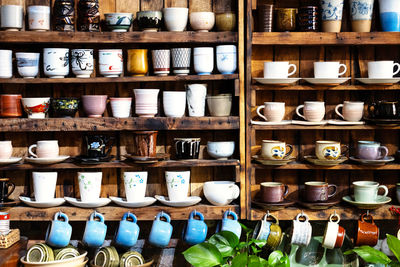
{"points": [[82, 62], [221, 193], [263, 227], [302, 230], [334, 233], [90, 185], [314, 111], [319, 191], [177, 185], [195, 231], [275, 150], [278, 69], [273, 111], [367, 232], [111, 62], [135, 186], [128, 231], [273, 192], [328, 70], [332, 12], [45, 149], [6, 189], [95, 231], [382, 69], [368, 191], [44, 185], [10, 106], [56, 62], [27, 64], [6, 149], [187, 148], [98, 146], [231, 225], [161, 231], [384, 110], [39, 18], [196, 99], [161, 61], [351, 110], [12, 17], [174, 103], [329, 150], [6, 69], [4, 223], [371, 150], [59, 231]]}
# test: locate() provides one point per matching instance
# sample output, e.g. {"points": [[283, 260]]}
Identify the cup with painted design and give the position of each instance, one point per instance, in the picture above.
{"points": [[275, 150], [135, 185], [329, 150], [177, 185], [302, 230], [89, 185]]}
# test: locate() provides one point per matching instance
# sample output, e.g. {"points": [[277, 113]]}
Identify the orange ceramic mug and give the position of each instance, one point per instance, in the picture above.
{"points": [[10, 106], [367, 232]]}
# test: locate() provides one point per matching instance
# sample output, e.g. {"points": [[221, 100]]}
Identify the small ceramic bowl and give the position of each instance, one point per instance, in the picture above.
{"points": [[65, 107], [202, 21], [221, 150], [225, 21], [220, 105], [118, 22], [149, 21]]}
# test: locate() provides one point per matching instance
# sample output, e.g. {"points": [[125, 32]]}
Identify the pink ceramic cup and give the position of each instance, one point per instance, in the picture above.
{"points": [[94, 105]]}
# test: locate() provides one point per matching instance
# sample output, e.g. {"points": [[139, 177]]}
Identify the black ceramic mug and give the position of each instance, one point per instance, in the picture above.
{"points": [[96, 146], [384, 110], [6, 188], [187, 148]]}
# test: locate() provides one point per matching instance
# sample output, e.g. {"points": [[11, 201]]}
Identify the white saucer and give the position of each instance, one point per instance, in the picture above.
{"points": [[46, 161], [276, 81], [9, 161], [271, 123], [373, 161], [48, 204], [342, 122], [378, 81], [309, 123], [122, 202], [95, 204], [326, 81], [190, 201]]}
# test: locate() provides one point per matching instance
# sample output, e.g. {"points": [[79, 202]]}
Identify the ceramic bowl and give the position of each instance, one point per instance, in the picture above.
{"points": [[79, 261], [225, 21], [65, 107], [94, 105], [36, 107], [221, 150], [220, 193], [220, 105], [175, 18], [202, 21], [118, 22], [149, 21]]}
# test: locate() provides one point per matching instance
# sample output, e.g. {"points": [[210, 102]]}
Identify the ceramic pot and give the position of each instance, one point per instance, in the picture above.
{"points": [[146, 102], [181, 60], [187, 148], [221, 150], [10, 106], [6, 64], [174, 103], [332, 11], [11, 17], [82, 62], [137, 62], [111, 62], [161, 62], [144, 143], [118, 22], [175, 18], [150, 20], [220, 193], [226, 59], [390, 15], [203, 58], [220, 105], [28, 64], [65, 107], [88, 16], [196, 99], [225, 21], [361, 15], [36, 107], [39, 18], [202, 21], [94, 105], [265, 17], [56, 62], [64, 15], [121, 106], [286, 19]]}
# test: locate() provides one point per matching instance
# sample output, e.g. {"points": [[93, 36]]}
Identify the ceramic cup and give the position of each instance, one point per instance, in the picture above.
{"points": [[231, 225], [273, 111], [146, 102], [39, 18], [308, 18], [59, 231], [10, 106], [371, 150], [202, 21], [328, 69], [161, 231], [319, 191], [302, 230], [398, 192], [149, 20], [203, 60], [65, 107], [187, 148], [177, 185], [286, 19], [121, 106], [225, 21], [98, 146], [196, 99], [332, 11], [94, 105], [265, 17], [45, 149], [195, 231], [36, 107], [6, 149], [389, 15], [367, 231], [111, 62], [118, 22], [273, 192], [90, 185], [137, 62], [263, 227], [181, 60], [226, 59], [314, 111], [12, 17], [44, 185], [220, 150], [279, 69], [145, 144], [329, 150], [161, 61], [351, 110], [56, 62], [384, 110], [128, 231], [175, 18], [382, 69], [95, 231], [174, 103], [361, 15], [367, 191], [6, 64], [135, 186], [221, 193], [28, 64], [219, 105], [82, 62], [4, 223], [275, 150], [6, 188], [333, 232]]}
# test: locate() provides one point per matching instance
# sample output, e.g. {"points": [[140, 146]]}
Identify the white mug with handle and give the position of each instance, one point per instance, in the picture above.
{"points": [[328, 70]]}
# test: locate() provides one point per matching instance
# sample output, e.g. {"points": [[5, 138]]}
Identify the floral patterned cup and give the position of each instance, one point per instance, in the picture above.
{"points": [[89, 185], [361, 15], [177, 185], [135, 186], [332, 11]]}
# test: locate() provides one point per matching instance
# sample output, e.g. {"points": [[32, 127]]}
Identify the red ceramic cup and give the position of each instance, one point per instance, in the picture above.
{"points": [[367, 232], [340, 237], [10, 106]]}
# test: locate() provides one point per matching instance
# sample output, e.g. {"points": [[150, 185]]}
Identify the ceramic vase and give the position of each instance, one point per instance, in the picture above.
{"points": [[39, 18], [137, 62], [82, 62], [226, 59], [203, 60], [146, 102], [111, 62], [56, 62], [390, 15]]}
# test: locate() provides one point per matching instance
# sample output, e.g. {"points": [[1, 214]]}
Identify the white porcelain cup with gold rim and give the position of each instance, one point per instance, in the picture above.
{"points": [[351, 110], [275, 150], [273, 111], [329, 150], [313, 111]]}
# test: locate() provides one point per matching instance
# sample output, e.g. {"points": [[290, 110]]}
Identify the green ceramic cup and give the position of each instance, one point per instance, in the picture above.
{"points": [[367, 191], [275, 236]]}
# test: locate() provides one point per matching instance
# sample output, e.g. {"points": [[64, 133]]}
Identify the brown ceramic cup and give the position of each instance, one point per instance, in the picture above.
{"points": [[144, 143], [367, 232], [319, 191], [273, 192], [340, 237], [10, 106]]}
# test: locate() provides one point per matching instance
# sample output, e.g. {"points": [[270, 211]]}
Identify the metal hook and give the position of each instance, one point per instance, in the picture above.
{"points": [[267, 213], [302, 213], [367, 212], [334, 213], [195, 212]]}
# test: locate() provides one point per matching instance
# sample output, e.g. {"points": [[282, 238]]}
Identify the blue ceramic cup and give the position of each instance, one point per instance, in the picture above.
{"points": [[59, 232], [95, 231], [390, 15], [161, 231], [195, 231], [128, 231], [231, 225]]}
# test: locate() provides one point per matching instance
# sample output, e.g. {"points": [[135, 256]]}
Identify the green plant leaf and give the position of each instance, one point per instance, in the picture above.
{"points": [[241, 245], [203, 255], [245, 228], [394, 264], [278, 259], [370, 255], [240, 260], [259, 243], [394, 245], [224, 242], [255, 261]]}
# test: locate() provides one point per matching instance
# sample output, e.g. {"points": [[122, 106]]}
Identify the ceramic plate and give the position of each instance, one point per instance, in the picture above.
{"points": [[273, 206], [190, 201], [122, 202], [9, 203], [47, 204], [317, 161], [309, 123], [326, 81], [373, 162], [367, 206], [144, 160], [320, 205], [387, 81], [342, 122], [46, 161], [383, 122], [270, 162], [93, 161], [95, 204], [9, 161], [271, 123], [275, 81]]}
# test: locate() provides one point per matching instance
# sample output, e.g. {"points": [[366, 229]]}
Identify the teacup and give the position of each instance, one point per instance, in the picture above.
{"points": [[318, 191], [384, 110], [352, 110], [137, 62], [161, 231], [121, 106], [6, 189], [195, 231], [389, 15], [28, 64], [146, 102], [382, 69], [231, 225], [39, 18], [111, 62], [226, 59], [273, 192], [161, 61], [65, 107], [45, 149], [59, 232], [371, 150], [203, 60], [36, 107], [82, 62], [56, 62], [221, 193], [44, 185], [219, 105], [196, 99], [10, 106], [6, 69], [329, 150], [98, 146], [334, 233], [328, 69], [187, 148], [95, 231], [174, 103], [135, 186], [175, 18], [90, 185], [361, 15], [225, 21], [314, 111], [367, 191], [275, 150], [4, 223], [332, 11], [263, 227], [278, 69], [181, 60], [177, 185], [118, 22], [6, 149], [202, 21], [12, 17], [145, 144], [128, 231], [367, 232], [149, 20], [302, 230], [94, 105], [273, 111]]}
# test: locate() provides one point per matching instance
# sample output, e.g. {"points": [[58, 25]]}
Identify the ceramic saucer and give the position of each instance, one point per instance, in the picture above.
{"points": [[327, 162], [309, 123], [46, 161], [373, 161], [95, 204], [383, 122], [147, 160], [273, 206], [365, 205], [275, 81], [270, 162], [344, 123], [271, 123], [327, 81], [320, 205], [9, 203], [46, 204], [93, 161], [190, 201], [147, 201], [381, 81], [9, 161]]}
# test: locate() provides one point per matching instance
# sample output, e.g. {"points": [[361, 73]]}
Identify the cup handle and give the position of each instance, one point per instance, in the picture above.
{"points": [[337, 110], [129, 215], [334, 191], [286, 191], [268, 215], [259, 113], [96, 215], [231, 213], [344, 71], [383, 152], [30, 150], [344, 149], [398, 68], [12, 185], [62, 215], [298, 111], [290, 150], [365, 216], [196, 213], [163, 215], [235, 191], [294, 69], [385, 189]]}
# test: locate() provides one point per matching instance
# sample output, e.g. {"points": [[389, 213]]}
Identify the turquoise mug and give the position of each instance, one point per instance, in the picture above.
{"points": [[128, 231], [231, 225], [59, 232], [95, 231], [195, 231], [161, 231]]}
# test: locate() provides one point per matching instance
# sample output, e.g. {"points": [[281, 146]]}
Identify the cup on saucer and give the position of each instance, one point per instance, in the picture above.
{"points": [[275, 150], [6, 149], [273, 192], [329, 150], [351, 110], [273, 111], [45, 149], [177, 185], [313, 111], [367, 191], [44, 186], [382, 69], [371, 150], [90, 186], [135, 186], [316, 191], [6, 189], [278, 69], [328, 70]]}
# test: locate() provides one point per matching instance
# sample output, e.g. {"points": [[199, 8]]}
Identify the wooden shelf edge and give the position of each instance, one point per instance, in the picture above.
{"points": [[259, 87], [343, 166], [324, 127]]}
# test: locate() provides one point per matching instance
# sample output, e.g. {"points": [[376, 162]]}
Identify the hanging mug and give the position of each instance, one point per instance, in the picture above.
{"points": [[95, 231], [128, 231], [195, 231], [302, 230], [59, 232], [161, 231]]}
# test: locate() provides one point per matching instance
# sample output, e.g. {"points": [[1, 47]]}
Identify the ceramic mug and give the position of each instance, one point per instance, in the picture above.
{"points": [[231, 225], [383, 69], [273, 111], [6, 189], [28, 64], [161, 231], [196, 99], [95, 231], [273, 192], [6, 149], [146, 102], [90, 185], [361, 15], [111, 62], [56, 62], [285, 19], [128, 231], [328, 69], [175, 18], [98, 146], [352, 110], [226, 59], [135, 186], [59, 232], [12, 17], [384, 110], [332, 11], [10, 106], [82, 62], [121, 106], [6, 64], [174, 103], [278, 69], [367, 232], [319, 191], [45, 149], [275, 150], [195, 231], [263, 227], [302, 231], [137, 62], [44, 186], [187, 148], [368, 191], [332, 232], [4, 223], [314, 111], [371, 150], [177, 185], [39, 18], [389, 15], [181, 60], [221, 193], [329, 150], [203, 60], [161, 61]]}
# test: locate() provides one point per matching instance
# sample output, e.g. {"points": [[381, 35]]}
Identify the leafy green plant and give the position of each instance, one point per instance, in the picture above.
{"points": [[224, 249]]}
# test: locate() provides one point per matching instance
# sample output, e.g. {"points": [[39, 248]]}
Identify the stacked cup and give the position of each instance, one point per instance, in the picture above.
{"points": [[6, 64], [308, 18], [265, 15]]}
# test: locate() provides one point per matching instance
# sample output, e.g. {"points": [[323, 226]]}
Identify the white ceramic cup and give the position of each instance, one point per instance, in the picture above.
{"points": [[226, 59], [56, 62], [382, 69], [82, 62], [221, 193], [174, 103], [161, 59], [135, 186], [12, 17], [90, 185], [31, 104], [39, 18], [278, 69], [203, 60], [111, 63], [44, 185], [6, 63], [275, 150], [328, 69], [196, 99], [331, 232], [146, 102], [175, 18], [302, 231], [181, 60], [121, 106], [352, 110], [45, 149], [177, 185], [273, 111], [6, 149], [314, 111], [4, 223], [28, 64]]}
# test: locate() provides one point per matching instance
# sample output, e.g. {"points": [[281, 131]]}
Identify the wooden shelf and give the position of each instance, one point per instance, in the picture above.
{"points": [[115, 124], [325, 38], [114, 213], [305, 166], [323, 127], [27, 37], [309, 87]]}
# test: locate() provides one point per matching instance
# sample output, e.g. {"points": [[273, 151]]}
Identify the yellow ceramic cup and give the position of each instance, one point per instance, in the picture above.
{"points": [[137, 62]]}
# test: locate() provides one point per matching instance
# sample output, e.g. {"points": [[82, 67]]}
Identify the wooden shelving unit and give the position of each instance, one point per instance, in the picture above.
{"points": [[326, 127], [308, 87], [343, 166]]}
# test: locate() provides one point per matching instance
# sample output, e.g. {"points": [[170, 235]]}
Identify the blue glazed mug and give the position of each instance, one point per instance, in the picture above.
{"points": [[161, 231], [95, 231], [128, 231], [231, 225], [59, 232], [195, 231]]}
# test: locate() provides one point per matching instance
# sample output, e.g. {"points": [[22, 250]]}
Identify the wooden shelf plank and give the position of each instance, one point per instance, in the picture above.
{"points": [[260, 87], [117, 38], [324, 127], [115, 124], [305, 166]]}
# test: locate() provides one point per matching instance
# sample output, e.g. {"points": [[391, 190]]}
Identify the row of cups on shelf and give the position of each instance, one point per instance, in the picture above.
{"points": [[56, 62]]}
